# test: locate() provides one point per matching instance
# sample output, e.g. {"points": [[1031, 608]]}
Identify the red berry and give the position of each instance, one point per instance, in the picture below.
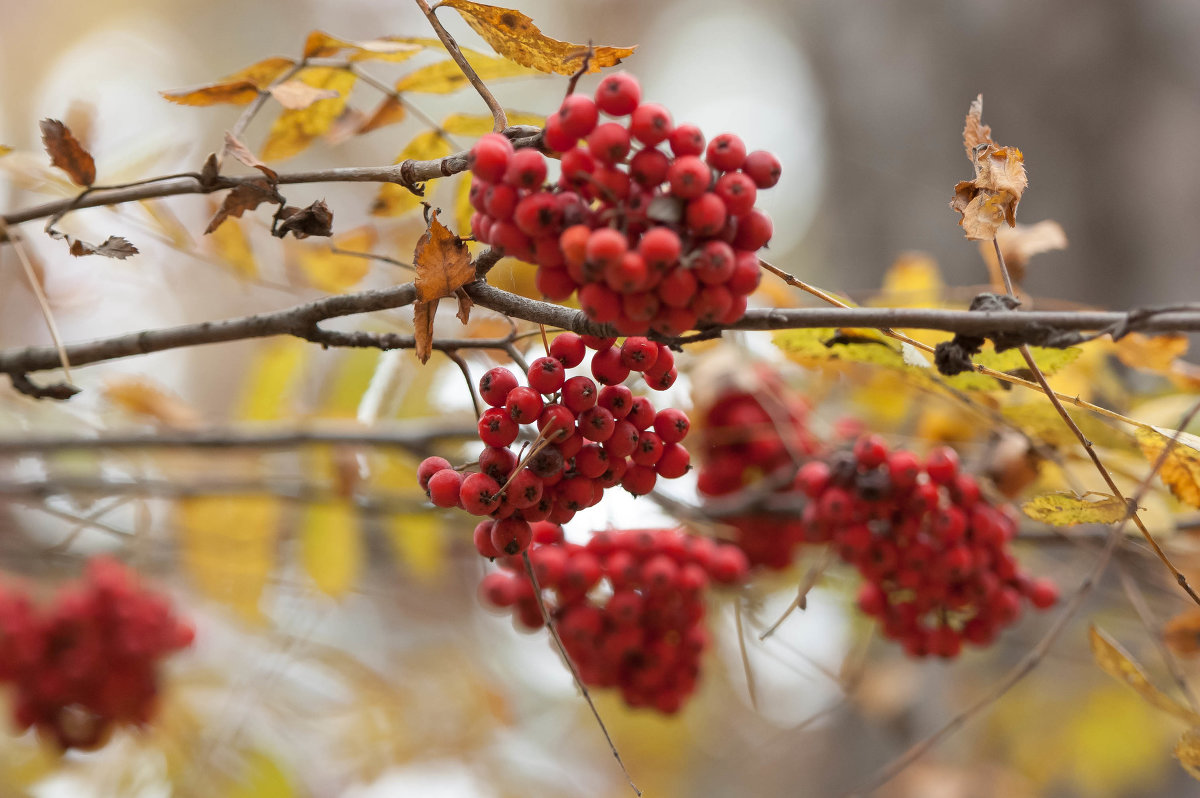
{"points": [[706, 216], [639, 480], [489, 157], [496, 428], [607, 367], [660, 248], [942, 465], [672, 425], [546, 375], [616, 399], [689, 177], [606, 247], [579, 394], [674, 461], [618, 94], [526, 169], [538, 215], [650, 124], [568, 348], [478, 494], [444, 487], [871, 451], [483, 544], [524, 405], [753, 231], [648, 167], [556, 137], [638, 353], [609, 142], [578, 115], [428, 467], [763, 168], [495, 384], [737, 191], [511, 535], [1043, 593], [686, 140], [726, 152]]}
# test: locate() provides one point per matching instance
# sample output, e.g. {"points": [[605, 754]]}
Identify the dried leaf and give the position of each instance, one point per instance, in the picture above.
{"points": [[231, 245], [442, 261], [464, 306], [321, 45], [293, 131], [112, 247], [143, 397], [313, 220], [240, 88], [67, 153], [1187, 751], [445, 76], [992, 197], [1019, 244], [1068, 509], [333, 272], [1182, 633], [242, 153], [388, 112], [1117, 663], [478, 124], [513, 35], [395, 200], [1156, 353], [245, 197], [1181, 470], [331, 547], [297, 95], [423, 315]]}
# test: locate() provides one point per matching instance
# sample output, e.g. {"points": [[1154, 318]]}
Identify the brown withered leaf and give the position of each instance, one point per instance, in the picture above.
{"points": [[240, 151], [314, 220], [296, 95], [464, 305], [514, 36], [321, 45], [443, 262], [67, 153], [112, 247], [388, 112], [346, 126], [1019, 244], [990, 199], [1182, 633], [423, 313], [240, 88], [1187, 751], [245, 197], [1181, 469]]}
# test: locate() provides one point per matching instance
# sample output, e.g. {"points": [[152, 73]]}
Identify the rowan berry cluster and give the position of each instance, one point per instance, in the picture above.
{"points": [[90, 661], [652, 242], [592, 434], [933, 552], [629, 605]]}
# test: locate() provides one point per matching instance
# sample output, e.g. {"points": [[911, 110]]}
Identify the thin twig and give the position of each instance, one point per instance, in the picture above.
{"points": [[501, 118], [741, 636], [466, 372], [573, 81], [1138, 600], [371, 256], [811, 577], [537, 594], [35, 286]]}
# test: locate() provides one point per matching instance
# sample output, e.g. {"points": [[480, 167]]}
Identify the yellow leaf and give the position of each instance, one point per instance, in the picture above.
{"points": [[1187, 750], [264, 72], [237, 89], [462, 204], [5, 149], [228, 546], [445, 76], [442, 261], [389, 112], [913, 281], [293, 131], [296, 95], [272, 378], [1181, 470], [1068, 509], [513, 35], [331, 545], [231, 245], [1114, 661], [321, 45], [1050, 361], [417, 542], [334, 272], [1156, 353], [143, 397], [394, 200], [478, 124], [262, 777]]}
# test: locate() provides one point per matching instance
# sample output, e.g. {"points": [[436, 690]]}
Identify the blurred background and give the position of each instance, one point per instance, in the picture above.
{"points": [[404, 686]]}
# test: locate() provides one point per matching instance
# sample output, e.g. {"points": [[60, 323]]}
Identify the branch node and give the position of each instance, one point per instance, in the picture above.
{"points": [[57, 390]]}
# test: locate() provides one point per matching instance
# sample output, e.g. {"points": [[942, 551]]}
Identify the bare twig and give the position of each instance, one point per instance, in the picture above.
{"points": [[35, 286], [466, 372], [1138, 600], [811, 577], [468, 71], [751, 688]]}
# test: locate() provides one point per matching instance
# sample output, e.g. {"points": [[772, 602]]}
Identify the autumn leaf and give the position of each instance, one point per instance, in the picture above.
{"points": [[293, 131], [112, 247], [240, 88], [273, 377], [464, 305], [417, 542], [1019, 244], [912, 281], [423, 315], [1182, 633], [389, 112], [67, 153], [1181, 470], [514, 36], [1187, 751], [143, 397], [313, 220], [394, 200], [331, 547], [297, 95], [1068, 509], [992, 197], [1117, 663], [244, 197], [814, 347], [442, 261], [445, 77], [242, 153], [335, 272], [321, 45], [1156, 353]]}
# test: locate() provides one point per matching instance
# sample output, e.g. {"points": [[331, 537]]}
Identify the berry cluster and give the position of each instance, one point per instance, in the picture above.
{"points": [[88, 662], [590, 438], [652, 242], [643, 630]]}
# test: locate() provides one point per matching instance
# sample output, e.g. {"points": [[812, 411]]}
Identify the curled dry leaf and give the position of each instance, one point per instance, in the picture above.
{"points": [[314, 220], [442, 261], [423, 314], [296, 95], [67, 153], [514, 36], [241, 152], [992, 197], [112, 247], [240, 88], [1068, 509], [1117, 663], [464, 306], [1182, 633], [1181, 470], [245, 197]]}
